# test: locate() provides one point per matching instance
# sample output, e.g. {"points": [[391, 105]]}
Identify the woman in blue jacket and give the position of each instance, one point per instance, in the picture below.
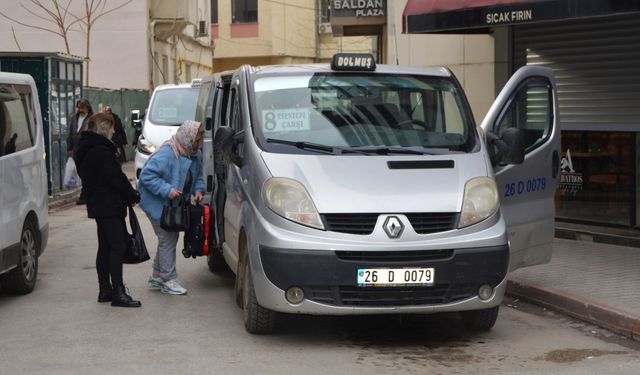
{"points": [[173, 170]]}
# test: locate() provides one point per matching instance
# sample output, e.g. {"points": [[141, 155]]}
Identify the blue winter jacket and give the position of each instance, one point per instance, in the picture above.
{"points": [[162, 172]]}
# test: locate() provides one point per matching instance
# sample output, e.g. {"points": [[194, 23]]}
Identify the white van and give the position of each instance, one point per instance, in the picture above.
{"points": [[169, 107], [24, 225]]}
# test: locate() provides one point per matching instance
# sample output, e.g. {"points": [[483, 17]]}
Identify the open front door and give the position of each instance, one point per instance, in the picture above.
{"points": [[529, 103]]}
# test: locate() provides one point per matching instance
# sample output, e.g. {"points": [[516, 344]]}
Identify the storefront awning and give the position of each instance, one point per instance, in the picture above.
{"points": [[473, 16]]}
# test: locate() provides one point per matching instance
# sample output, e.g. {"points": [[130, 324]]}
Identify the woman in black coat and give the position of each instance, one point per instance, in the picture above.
{"points": [[108, 193]]}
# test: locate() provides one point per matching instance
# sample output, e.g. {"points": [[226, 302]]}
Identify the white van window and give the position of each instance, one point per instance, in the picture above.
{"points": [[173, 106], [17, 123], [363, 110]]}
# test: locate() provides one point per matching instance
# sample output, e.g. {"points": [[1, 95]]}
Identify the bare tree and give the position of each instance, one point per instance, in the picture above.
{"points": [[55, 15], [93, 10]]}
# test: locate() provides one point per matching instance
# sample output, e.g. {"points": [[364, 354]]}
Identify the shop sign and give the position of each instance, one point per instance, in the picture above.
{"points": [[510, 17], [358, 8], [571, 182]]}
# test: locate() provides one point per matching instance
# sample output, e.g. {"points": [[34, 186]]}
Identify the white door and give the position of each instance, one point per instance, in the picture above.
{"points": [[529, 103]]}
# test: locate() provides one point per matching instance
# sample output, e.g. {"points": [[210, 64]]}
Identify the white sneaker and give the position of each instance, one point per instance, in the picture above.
{"points": [[155, 283], [172, 287]]}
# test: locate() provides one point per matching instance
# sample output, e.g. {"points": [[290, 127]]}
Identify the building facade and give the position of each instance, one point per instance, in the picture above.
{"points": [[593, 49], [261, 32], [133, 44]]}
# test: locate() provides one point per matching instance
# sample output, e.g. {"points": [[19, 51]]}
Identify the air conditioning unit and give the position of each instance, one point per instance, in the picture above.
{"points": [[202, 29], [324, 28]]}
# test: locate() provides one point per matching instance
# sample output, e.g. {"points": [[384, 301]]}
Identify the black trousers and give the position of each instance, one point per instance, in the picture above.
{"points": [[112, 232]]}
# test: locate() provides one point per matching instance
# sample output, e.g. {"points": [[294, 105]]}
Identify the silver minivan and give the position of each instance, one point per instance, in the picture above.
{"points": [[356, 188]]}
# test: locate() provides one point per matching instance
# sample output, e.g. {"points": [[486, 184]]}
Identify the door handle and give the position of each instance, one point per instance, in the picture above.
{"points": [[555, 164]]}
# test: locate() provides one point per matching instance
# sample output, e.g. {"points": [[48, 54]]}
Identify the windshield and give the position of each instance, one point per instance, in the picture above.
{"points": [[173, 106], [362, 112]]}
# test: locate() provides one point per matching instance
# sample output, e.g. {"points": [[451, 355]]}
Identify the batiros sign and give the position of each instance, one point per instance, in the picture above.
{"points": [[358, 8]]}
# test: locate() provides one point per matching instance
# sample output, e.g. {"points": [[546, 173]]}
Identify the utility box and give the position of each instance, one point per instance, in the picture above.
{"points": [[58, 77]]}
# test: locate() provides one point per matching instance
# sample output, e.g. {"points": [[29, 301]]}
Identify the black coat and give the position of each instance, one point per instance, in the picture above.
{"points": [[108, 190]]}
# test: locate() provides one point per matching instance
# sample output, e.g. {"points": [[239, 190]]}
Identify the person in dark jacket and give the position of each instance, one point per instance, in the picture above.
{"points": [[78, 123], [108, 193], [120, 136]]}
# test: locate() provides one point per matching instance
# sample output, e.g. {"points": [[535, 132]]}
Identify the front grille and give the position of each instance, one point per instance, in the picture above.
{"points": [[390, 296], [425, 223], [394, 256], [422, 223], [351, 223]]}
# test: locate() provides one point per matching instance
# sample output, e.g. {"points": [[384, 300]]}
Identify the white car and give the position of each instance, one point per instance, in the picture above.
{"points": [[169, 107], [24, 225]]}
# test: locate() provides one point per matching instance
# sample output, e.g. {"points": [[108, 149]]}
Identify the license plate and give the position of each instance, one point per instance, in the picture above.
{"points": [[395, 276]]}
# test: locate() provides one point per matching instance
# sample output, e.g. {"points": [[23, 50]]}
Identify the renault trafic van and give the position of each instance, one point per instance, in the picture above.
{"points": [[357, 188], [24, 225]]}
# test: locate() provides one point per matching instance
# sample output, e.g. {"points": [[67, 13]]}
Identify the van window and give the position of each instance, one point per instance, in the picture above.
{"points": [[530, 111], [173, 106], [17, 120], [363, 110]]}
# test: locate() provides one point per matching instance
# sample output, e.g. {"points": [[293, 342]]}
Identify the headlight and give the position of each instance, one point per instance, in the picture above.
{"points": [[146, 147], [480, 200], [289, 199]]}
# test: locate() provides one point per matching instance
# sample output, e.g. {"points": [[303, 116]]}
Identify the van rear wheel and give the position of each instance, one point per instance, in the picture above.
{"points": [[257, 319], [22, 279], [481, 320]]}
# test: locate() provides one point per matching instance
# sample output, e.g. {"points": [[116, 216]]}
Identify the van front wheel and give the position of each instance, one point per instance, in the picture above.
{"points": [[481, 320], [22, 279], [257, 319]]}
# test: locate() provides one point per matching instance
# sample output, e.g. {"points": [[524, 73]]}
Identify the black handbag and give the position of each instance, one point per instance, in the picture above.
{"points": [[136, 251], [175, 218]]}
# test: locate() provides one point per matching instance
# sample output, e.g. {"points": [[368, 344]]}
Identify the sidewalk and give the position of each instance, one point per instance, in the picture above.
{"points": [[594, 274], [593, 281]]}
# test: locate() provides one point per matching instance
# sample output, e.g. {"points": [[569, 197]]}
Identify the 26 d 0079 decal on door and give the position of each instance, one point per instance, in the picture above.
{"points": [[522, 187]]}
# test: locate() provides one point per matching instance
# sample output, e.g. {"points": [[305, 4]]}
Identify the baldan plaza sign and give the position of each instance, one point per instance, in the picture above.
{"points": [[358, 8]]}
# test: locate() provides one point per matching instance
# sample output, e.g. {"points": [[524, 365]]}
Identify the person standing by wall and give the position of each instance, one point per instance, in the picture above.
{"points": [[173, 170], [108, 193], [78, 124], [120, 136]]}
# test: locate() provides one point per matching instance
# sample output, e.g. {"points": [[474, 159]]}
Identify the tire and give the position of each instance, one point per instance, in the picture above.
{"points": [[481, 320], [22, 279], [257, 319], [216, 261]]}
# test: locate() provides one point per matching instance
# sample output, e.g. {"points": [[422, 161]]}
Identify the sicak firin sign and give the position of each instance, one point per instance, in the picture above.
{"points": [[358, 8]]}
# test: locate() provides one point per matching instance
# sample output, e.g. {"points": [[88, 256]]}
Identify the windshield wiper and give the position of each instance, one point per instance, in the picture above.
{"points": [[303, 145]]}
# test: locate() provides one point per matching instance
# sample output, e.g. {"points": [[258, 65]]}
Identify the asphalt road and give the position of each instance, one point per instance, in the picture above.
{"points": [[61, 329]]}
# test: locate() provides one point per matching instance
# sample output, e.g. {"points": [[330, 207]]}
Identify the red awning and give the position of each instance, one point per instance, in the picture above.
{"points": [[416, 7]]}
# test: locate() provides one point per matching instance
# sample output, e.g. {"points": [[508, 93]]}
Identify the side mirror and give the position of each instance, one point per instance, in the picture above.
{"points": [[508, 148], [225, 144], [514, 139]]}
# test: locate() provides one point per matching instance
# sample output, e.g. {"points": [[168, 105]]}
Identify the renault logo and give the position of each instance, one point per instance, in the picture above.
{"points": [[393, 227]]}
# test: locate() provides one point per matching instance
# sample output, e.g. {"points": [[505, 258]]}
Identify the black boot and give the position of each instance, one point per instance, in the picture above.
{"points": [[105, 292], [122, 299]]}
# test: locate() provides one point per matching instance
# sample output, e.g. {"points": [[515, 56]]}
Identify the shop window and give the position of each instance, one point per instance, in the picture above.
{"points": [[596, 177], [244, 11]]}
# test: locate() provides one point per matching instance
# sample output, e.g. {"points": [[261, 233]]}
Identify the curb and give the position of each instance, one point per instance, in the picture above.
{"points": [[615, 320], [592, 236]]}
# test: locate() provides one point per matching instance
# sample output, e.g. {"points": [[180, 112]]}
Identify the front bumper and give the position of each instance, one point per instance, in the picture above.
{"points": [[328, 279]]}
